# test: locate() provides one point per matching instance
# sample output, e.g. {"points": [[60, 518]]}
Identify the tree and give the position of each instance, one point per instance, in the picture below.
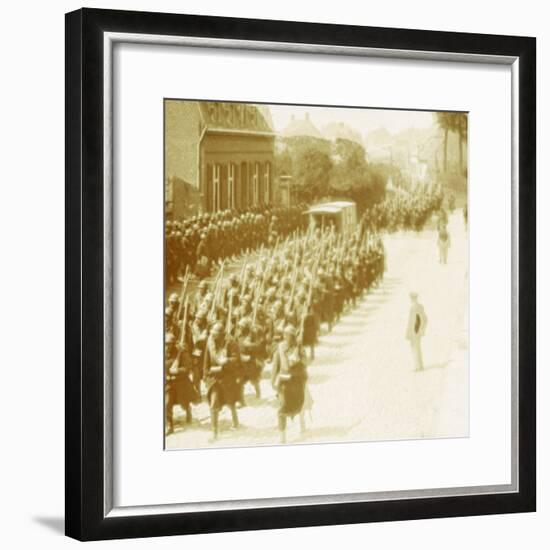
{"points": [[457, 123], [353, 178], [321, 169], [312, 170], [307, 159]]}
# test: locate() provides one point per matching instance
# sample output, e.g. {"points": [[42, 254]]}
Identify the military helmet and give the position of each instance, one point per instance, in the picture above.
{"points": [[244, 323], [289, 329], [217, 328], [201, 313]]}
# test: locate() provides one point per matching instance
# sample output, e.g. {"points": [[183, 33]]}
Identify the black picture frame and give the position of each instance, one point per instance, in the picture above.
{"points": [[85, 436]]}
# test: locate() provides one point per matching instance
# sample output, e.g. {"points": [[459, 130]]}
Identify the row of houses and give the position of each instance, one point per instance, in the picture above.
{"points": [[220, 155]]}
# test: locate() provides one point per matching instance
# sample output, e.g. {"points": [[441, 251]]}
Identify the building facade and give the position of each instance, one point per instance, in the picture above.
{"points": [[218, 155]]}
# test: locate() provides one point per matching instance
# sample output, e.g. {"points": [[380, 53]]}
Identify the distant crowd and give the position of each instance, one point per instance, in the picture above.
{"points": [[409, 210]]}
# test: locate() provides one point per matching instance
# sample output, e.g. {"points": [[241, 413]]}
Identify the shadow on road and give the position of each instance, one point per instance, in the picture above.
{"points": [[437, 365]]}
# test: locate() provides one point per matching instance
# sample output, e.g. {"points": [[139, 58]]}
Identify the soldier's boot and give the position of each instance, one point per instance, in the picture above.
{"points": [[234, 417], [312, 352], [188, 414]]}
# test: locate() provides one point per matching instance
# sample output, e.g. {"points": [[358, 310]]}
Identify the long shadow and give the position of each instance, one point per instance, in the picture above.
{"points": [[313, 433], [334, 345], [326, 361], [317, 378], [355, 332], [354, 321], [253, 401], [437, 365], [377, 300]]}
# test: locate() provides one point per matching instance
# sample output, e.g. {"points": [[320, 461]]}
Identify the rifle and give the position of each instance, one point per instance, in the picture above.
{"points": [[216, 290], [228, 326], [294, 280], [309, 298], [258, 296], [183, 291], [184, 325], [244, 277]]}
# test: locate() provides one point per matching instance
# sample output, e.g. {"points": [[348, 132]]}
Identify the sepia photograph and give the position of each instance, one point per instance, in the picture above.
{"points": [[315, 274]]}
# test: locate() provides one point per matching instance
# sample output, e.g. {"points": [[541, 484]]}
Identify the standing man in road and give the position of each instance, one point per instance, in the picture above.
{"points": [[416, 329]]}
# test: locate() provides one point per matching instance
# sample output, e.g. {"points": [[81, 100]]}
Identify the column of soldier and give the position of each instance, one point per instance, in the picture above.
{"points": [[220, 338], [404, 210], [204, 240]]}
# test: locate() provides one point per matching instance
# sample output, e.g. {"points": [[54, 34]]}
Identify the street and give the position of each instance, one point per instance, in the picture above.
{"points": [[362, 381]]}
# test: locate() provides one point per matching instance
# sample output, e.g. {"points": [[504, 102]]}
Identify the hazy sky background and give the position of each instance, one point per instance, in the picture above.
{"points": [[362, 120]]}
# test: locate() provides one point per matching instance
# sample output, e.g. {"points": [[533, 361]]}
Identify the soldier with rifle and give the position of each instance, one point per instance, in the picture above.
{"points": [[288, 378], [199, 334], [251, 363], [179, 390], [221, 375]]}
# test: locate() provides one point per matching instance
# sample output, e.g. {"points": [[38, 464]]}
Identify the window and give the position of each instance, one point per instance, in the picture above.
{"points": [[231, 199], [256, 184], [216, 188], [169, 195], [267, 183]]}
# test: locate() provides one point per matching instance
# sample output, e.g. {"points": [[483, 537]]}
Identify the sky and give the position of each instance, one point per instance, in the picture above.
{"points": [[363, 120]]}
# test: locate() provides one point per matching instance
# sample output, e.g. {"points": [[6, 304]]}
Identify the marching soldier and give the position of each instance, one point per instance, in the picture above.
{"points": [[251, 364], [200, 295], [221, 371], [178, 387], [199, 334], [288, 378]]}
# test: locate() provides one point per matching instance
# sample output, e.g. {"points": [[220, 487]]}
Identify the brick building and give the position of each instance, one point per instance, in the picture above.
{"points": [[217, 156]]}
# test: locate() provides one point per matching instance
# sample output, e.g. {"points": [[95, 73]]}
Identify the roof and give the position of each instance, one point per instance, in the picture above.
{"points": [[219, 116], [340, 130], [330, 207], [301, 127]]}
